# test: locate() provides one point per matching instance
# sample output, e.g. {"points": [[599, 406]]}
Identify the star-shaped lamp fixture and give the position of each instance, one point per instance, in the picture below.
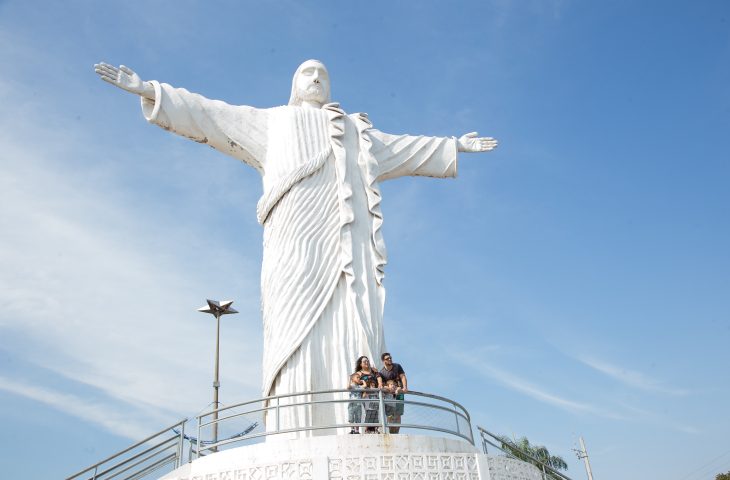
{"points": [[218, 308]]}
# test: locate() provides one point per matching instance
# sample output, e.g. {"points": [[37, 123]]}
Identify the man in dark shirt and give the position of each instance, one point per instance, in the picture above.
{"points": [[393, 371]]}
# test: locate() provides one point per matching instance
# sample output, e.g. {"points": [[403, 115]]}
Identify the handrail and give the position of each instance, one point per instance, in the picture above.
{"points": [[271, 405], [143, 456], [545, 467], [93, 469], [335, 390]]}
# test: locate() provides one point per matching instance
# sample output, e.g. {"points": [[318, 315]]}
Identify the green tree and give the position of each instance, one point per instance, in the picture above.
{"points": [[534, 454], [723, 476]]}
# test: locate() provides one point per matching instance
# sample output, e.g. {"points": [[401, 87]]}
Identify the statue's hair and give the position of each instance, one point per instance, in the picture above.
{"points": [[294, 98]]}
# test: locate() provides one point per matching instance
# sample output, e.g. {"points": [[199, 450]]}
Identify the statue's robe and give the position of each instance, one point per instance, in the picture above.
{"points": [[322, 295]]}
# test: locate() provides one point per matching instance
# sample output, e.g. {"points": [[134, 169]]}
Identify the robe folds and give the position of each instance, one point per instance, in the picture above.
{"points": [[322, 293]]}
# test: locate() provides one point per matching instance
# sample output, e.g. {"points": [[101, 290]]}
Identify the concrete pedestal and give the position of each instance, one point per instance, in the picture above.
{"points": [[356, 457]]}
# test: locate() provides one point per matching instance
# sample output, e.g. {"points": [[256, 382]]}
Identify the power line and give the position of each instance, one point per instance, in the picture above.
{"points": [[705, 466]]}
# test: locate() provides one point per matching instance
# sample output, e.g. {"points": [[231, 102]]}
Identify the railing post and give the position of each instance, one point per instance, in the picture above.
{"points": [[381, 408], [190, 451], [278, 404], [200, 440], [180, 446], [456, 417], [96, 469]]}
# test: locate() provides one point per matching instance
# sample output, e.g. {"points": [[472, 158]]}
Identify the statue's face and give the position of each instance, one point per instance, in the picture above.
{"points": [[313, 82]]}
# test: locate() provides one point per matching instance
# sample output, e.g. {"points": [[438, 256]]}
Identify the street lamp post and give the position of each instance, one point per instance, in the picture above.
{"points": [[217, 309]]}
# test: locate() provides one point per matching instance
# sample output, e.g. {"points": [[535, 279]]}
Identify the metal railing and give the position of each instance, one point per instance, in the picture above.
{"points": [[430, 414], [514, 451], [141, 459], [326, 410]]}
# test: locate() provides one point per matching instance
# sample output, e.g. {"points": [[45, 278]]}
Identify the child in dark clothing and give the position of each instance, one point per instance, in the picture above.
{"points": [[372, 406], [390, 392]]}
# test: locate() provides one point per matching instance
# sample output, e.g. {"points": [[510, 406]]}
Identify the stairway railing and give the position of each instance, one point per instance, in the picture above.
{"points": [[513, 451], [141, 459]]}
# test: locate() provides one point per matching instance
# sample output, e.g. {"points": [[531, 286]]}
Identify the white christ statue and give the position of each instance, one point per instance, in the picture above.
{"points": [[322, 293]]}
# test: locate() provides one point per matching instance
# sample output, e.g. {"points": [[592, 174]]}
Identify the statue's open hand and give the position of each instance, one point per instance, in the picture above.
{"points": [[124, 78], [472, 143]]}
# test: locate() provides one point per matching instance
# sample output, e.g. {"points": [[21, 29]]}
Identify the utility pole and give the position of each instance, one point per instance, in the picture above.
{"points": [[582, 453], [218, 309]]}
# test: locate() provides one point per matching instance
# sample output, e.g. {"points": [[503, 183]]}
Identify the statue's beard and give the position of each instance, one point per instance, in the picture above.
{"points": [[313, 93]]}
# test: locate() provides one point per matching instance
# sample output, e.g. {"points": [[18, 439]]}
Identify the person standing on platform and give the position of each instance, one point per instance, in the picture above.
{"points": [[394, 371]]}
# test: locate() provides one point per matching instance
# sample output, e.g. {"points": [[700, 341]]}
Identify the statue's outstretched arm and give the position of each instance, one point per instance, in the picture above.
{"points": [[472, 143], [125, 78]]}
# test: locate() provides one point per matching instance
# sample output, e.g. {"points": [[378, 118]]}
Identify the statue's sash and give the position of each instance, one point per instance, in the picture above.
{"points": [[269, 199]]}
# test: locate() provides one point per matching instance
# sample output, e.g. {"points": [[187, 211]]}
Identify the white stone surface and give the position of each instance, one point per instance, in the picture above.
{"points": [[324, 255], [356, 457]]}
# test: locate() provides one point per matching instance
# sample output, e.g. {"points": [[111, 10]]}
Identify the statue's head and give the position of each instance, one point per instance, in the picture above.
{"points": [[311, 83]]}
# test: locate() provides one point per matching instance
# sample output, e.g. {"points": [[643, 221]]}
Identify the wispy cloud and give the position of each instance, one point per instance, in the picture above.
{"points": [[655, 418], [625, 412], [113, 419], [631, 378], [532, 390]]}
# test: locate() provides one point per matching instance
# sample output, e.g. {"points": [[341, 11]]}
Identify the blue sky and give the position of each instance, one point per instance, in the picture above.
{"points": [[574, 282]]}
